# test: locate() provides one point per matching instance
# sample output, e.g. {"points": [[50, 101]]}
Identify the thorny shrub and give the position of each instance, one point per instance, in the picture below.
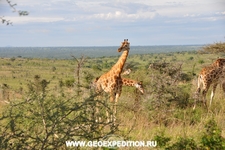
{"points": [[167, 92], [45, 121]]}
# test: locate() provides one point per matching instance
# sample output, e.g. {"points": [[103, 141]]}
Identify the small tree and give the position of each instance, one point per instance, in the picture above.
{"points": [[166, 91], [77, 72], [214, 48]]}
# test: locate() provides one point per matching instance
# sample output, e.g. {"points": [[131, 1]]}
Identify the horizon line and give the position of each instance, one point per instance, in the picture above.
{"points": [[107, 46]]}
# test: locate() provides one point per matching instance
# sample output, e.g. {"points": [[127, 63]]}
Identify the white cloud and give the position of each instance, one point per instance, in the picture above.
{"points": [[111, 19], [220, 13], [191, 15], [120, 10], [28, 19], [38, 31], [118, 15]]}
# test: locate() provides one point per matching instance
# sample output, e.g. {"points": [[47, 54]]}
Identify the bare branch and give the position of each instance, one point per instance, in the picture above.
{"points": [[20, 12], [8, 22]]}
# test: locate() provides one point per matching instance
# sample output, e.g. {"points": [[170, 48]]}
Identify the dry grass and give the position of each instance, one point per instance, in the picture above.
{"points": [[137, 120]]}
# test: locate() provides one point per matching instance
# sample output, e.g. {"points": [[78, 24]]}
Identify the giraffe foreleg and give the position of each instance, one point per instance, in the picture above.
{"points": [[112, 107], [213, 93]]}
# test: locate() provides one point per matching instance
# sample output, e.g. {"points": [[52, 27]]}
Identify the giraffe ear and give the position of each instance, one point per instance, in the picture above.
{"points": [[96, 79]]}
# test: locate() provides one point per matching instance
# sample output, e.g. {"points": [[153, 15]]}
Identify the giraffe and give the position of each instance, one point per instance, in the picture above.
{"points": [[127, 82], [212, 74], [111, 81]]}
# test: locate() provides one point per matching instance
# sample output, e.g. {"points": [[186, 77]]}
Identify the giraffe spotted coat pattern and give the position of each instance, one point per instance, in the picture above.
{"points": [[111, 81], [211, 75]]}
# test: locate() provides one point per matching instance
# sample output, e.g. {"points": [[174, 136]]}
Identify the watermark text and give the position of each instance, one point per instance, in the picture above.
{"points": [[111, 143]]}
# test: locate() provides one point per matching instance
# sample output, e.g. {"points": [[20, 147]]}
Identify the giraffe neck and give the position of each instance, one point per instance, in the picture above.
{"points": [[128, 82], [136, 84], [118, 67]]}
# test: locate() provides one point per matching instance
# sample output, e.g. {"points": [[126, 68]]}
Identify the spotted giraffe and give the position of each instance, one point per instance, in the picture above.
{"points": [[211, 75], [111, 81]]}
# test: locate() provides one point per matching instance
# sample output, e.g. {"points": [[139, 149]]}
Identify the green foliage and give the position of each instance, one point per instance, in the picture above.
{"points": [[165, 85], [38, 85], [69, 82], [162, 140], [191, 58], [45, 121], [96, 68], [167, 102], [183, 144], [212, 138], [182, 98], [195, 116], [218, 47], [186, 77], [13, 59], [53, 68], [201, 61]]}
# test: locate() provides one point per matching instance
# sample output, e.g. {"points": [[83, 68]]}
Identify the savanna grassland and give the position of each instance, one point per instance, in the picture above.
{"points": [[45, 102]]}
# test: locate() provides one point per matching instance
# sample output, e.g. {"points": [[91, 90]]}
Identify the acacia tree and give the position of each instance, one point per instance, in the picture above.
{"points": [[215, 48], [20, 13]]}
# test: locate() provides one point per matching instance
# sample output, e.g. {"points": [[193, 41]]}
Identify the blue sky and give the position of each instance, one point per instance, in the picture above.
{"points": [[108, 22]]}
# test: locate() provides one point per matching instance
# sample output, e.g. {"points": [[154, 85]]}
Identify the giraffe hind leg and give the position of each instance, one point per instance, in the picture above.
{"points": [[197, 92], [204, 92]]}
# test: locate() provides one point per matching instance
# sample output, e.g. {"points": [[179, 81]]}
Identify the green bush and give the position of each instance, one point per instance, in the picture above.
{"points": [[69, 82], [183, 144], [165, 88], [162, 141], [44, 121], [212, 138]]}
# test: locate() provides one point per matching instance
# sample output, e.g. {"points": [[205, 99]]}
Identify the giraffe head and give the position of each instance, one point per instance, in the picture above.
{"points": [[139, 86], [125, 45]]}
